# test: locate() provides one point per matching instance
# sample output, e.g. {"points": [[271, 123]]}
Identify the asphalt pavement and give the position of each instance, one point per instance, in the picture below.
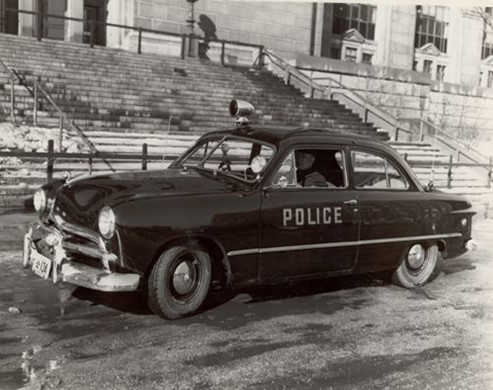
{"points": [[345, 333]]}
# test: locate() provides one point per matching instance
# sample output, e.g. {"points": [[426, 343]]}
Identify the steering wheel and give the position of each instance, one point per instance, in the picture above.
{"points": [[224, 166]]}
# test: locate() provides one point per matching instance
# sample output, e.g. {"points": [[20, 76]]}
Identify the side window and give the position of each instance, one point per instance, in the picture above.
{"points": [[286, 174], [312, 168], [373, 171]]}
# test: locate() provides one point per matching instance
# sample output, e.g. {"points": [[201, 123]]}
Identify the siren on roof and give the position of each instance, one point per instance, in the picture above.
{"points": [[241, 110]]}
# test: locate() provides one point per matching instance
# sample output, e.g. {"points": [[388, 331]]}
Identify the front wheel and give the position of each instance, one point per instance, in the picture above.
{"points": [[417, 266], [179, 281]]}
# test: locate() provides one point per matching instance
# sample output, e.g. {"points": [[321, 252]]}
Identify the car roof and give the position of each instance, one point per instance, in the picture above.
{"points": [[276, 135]]}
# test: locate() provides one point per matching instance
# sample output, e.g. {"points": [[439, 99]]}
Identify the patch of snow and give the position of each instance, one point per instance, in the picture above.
{"points": [[35, 139]]}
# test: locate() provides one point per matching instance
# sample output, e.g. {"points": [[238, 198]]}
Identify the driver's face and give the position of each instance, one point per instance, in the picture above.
{"points": [[304, 160]]}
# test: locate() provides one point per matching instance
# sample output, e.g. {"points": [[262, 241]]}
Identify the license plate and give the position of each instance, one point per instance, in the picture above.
{"points": [[41, 265]]}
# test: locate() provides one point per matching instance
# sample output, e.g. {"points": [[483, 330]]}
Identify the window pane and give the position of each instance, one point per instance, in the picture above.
{"points": [[367, 58], [337, 26], [371, 31], [335, 52], [350, 54], [368, 170], [354, 12], [394, 179], [346, 25], [490, 79], [364, 12], [320, 168], [438, 28], [286, 175], [437, 43], [340, 10], [427, 66], [371, 171]]}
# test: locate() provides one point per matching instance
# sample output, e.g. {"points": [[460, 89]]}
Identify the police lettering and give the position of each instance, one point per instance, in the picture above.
{"points": [[311, 216]]}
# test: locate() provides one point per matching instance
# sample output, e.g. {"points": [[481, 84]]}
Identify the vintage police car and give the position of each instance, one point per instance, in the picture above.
{"points": [[246, 206]]}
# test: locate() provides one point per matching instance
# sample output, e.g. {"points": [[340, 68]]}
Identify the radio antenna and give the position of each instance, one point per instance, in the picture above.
{"points": [[166, 141]]}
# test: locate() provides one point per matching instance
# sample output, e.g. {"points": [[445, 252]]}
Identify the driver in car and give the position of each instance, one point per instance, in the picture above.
{"points": [[306, 175]]}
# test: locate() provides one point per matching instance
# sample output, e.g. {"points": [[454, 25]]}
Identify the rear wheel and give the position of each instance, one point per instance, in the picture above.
{"points": [[417, 266], [179, 281]]}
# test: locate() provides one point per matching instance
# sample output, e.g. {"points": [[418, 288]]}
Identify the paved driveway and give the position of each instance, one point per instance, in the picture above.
{"points": [[344, 333]]}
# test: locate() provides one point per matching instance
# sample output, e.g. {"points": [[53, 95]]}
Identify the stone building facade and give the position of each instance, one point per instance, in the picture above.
{"points": [[415, 60]]}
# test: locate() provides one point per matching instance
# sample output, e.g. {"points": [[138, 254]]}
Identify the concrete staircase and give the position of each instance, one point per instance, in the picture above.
{"points": [[104, 89], [426, 161]]}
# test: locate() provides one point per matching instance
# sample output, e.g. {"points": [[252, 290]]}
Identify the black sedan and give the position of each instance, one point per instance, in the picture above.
{"points": [[246, 206]]}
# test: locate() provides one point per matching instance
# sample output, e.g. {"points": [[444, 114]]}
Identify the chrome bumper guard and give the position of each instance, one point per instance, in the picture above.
{"points": [[62, 268], [471, 245]]}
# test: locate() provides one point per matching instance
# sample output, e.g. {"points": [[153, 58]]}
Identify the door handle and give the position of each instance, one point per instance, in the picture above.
{"points": [[351, 202]]}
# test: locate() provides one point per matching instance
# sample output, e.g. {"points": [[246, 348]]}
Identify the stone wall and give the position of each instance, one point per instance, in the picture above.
{"points": [[282, 26], [456, 109]]}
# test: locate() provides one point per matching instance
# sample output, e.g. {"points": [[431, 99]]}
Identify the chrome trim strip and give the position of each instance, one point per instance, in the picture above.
{"points": [[81, 231], [99, 252], [291, 248], [84, 250]]}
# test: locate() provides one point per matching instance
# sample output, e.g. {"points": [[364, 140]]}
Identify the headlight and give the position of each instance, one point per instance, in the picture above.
{"points": [[39, 201], [106, 222]]}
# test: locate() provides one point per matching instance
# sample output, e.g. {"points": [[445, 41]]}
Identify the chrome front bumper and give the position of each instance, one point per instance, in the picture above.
{"points": [[63, 268]]}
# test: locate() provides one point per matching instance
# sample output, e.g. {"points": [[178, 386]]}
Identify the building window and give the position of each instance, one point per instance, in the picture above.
{"points": [[432, 27], [487, 47], [335, 52], [427, 64], [440, 72], [490, 79], [366, 58], [415, 65], [350, 54], [358, 16]]}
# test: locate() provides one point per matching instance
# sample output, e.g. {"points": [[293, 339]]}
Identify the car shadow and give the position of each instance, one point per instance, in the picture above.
{"points": [[231, 309], [456, 265], [234, 307], [135, 302]]}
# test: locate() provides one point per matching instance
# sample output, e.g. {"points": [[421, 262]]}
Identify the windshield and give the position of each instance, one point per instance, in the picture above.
{"points": [[240, 158]]}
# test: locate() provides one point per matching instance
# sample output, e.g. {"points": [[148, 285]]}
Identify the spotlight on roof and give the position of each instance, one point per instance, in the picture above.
{"points": [[241, 110]]}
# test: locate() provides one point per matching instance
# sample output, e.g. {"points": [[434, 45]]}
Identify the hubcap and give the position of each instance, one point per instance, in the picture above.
{"points": [[184, 277], [416, 256]]}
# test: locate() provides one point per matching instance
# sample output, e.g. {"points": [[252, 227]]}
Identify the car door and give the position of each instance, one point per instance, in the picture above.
{"points": [[311, 230], [390, 212]]}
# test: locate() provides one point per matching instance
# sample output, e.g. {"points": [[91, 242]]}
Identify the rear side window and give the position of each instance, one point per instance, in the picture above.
{"points": [[376, 172]]}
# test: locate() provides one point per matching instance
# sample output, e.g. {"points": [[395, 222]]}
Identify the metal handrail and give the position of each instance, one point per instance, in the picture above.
{"points": [[312, 84], [61, 115], [459, 147]]}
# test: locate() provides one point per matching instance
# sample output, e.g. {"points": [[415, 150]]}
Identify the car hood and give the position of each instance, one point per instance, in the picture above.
{"points": [[80, 199]]}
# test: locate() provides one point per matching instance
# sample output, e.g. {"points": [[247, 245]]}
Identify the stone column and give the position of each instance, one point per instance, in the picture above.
{"points": [[319, 25], [382, 34], [464, 47], [74, 30], [27, 22]]}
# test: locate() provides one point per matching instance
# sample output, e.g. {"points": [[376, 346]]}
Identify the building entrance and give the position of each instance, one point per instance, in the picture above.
{"points": [[95, 12], [9, 19]]}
